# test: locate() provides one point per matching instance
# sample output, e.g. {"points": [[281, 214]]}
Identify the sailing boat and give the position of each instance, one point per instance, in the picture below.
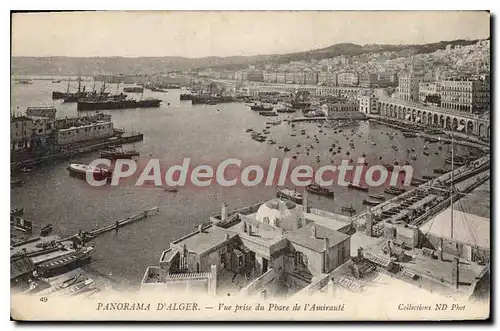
{"points": [[61, 95]]}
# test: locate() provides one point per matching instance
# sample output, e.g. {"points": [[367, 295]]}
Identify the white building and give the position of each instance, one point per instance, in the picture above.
{"points": [[85, 132]]}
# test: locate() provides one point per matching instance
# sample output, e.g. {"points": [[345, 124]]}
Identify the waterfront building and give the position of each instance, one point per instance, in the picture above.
{"points": [[348, 79], [368, 104], [342, 106], [241, 75], [408, 87], [49, 112], [270, 249], [281, 78], [67, 122], [43, 128], [21, 130], [372, 80], [81, 133], [327, 78], [255, 76], [289, 78], [311, 78], [299, 78], [466, 95], [270, 77], [429, 92]]}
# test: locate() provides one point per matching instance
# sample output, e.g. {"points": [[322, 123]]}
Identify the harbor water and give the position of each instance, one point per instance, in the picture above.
{"points": [[207, 134]]}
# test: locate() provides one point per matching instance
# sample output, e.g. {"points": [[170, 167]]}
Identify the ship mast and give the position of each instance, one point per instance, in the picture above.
{"points": [[451, 186]]}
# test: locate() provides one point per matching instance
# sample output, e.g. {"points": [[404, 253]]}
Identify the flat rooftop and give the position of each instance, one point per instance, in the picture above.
{"points": [[435, 273], [332, 222], [304, 238], [199, 242]]}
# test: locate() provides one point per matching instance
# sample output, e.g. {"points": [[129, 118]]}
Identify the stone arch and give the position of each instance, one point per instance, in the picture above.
{"points": [[435, 119], [454, 124], [448, 123], [442, 121], [469, 127], [482, 132]]}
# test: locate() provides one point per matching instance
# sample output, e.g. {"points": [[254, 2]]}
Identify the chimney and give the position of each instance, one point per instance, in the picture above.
{"points": [[305, 203], [440, 249], [200, 228], [226, 236], [331, 287], [369, 224], [456, 276], [250, 229], [327, 243], [360, 252], [313, 232], [223, 215], [244, 226]]}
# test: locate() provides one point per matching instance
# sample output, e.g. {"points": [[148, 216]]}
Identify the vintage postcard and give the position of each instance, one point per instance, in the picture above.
{"points": [[246, 166]]}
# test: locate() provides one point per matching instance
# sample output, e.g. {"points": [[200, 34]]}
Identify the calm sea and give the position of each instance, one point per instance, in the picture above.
{"points": [[205, 133]]}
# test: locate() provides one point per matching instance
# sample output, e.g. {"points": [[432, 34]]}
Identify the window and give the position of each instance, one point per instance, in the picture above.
{"points": [[300, 260]]}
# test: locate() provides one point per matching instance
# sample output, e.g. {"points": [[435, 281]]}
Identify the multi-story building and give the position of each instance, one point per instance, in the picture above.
{"points": [[270, 249], [255, 76], [327, 78], [467, 95], [408, 87], [299, 78], [426, 90], [49, 112], [281, 78], [368, 80], [311, 78], [348, 79], [85, 132], [368, 104], [289, 77], [241, 75], [342, 106], [21, 130], [43, 128], [270, 77]]}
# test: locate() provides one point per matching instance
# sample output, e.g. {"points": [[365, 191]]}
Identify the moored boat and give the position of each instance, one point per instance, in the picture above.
{"points": [[377, 197], [118, 153], [48, 267], [133, 89], [317, 189], [371, 202], [111, 104], [349, 210], [394, 190], [289, 194], [81, 170], [358, 187], [46, 230]]}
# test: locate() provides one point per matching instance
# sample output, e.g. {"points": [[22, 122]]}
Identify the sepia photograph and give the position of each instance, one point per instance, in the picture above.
{"points": [[250, 165]]}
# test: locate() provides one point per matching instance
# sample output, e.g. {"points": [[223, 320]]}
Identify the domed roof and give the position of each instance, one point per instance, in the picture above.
{"points": [[283, 214]]}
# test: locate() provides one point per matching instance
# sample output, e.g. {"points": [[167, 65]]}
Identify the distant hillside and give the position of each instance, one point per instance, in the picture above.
{"points": [[88, 66]]}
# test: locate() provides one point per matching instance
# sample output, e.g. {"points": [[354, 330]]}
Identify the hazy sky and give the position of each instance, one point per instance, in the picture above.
{"points": [[198, 34]]}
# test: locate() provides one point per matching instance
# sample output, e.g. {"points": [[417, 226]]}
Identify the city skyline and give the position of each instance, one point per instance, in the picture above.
{"points": [[226, 34]]}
